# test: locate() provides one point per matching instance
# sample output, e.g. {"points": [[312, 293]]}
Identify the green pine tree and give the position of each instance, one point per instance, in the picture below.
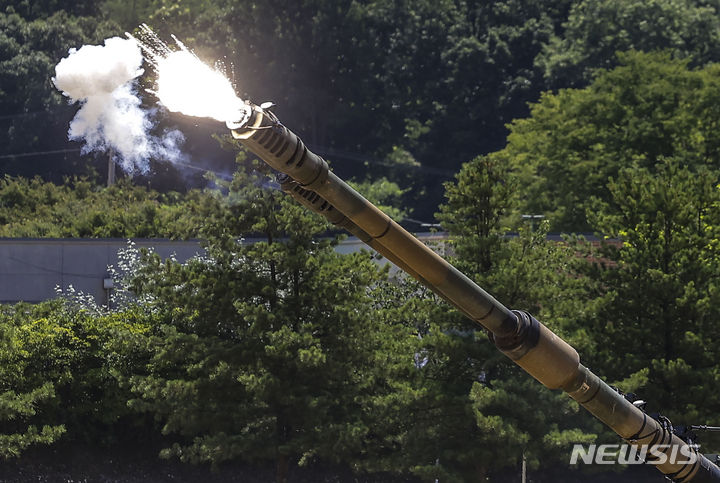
{"points": [[524, 271], [271, 350], [659, 314]]}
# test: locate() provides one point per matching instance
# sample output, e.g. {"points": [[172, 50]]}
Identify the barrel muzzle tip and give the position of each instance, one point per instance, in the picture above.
{"points": [[240, 120]]}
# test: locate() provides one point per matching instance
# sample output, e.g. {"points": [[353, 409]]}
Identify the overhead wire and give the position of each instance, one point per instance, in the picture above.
{"points": [[220, 174], [38, 153], [323, 150], [350, 156]]}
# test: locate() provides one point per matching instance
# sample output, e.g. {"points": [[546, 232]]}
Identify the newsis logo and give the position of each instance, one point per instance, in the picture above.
{"points": [[625, 454]]}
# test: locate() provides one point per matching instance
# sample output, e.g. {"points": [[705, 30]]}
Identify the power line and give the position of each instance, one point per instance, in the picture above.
{"points": [[38, 153], [222, 175], [332, 152], [225, 176], [26, 114], [325, 151]]}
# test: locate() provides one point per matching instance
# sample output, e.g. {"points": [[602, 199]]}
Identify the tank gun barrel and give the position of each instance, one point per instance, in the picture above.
{"points": [[526, 341]]}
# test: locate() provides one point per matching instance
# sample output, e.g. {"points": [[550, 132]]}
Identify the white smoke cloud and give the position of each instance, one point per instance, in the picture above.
{"points": [[102, 79]]}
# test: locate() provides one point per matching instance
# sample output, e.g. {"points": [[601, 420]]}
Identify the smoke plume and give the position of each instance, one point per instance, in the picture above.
{"points": [[102, 79]]}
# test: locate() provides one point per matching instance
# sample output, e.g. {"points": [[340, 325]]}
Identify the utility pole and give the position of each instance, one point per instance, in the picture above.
{"points": [[111, 168]]}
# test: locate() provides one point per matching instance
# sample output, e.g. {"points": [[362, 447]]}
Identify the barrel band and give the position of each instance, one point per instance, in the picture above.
{"points": [[525, 337]]}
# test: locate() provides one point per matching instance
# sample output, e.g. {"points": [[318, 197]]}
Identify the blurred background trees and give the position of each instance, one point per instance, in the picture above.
{"points": [[598, 116], [360, 81]]}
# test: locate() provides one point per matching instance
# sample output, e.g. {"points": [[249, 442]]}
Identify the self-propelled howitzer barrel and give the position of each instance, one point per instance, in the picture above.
{"points": [[530, 344]]}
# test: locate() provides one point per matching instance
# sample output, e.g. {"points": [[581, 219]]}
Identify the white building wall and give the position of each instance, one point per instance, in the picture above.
{"points": [[30, 269]]}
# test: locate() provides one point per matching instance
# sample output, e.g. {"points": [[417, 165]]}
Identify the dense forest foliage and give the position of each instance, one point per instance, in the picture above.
{"points": [[405, 89], [601, 116]]}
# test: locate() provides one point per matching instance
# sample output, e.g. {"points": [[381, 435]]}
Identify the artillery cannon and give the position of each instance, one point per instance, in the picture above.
{"points": [[531, 345]]}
